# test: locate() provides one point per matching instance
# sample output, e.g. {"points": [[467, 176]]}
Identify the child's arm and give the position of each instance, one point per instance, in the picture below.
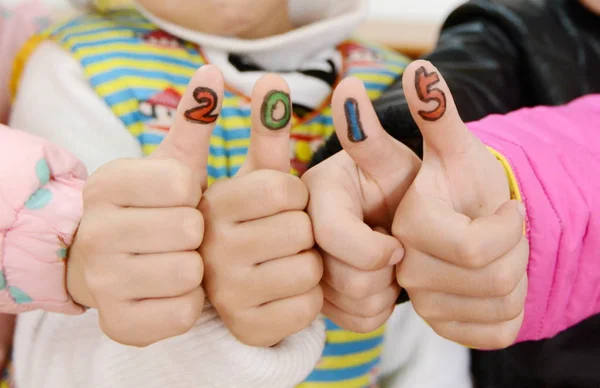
{"points": [[469, 269], [554, 157], [40, 209]]}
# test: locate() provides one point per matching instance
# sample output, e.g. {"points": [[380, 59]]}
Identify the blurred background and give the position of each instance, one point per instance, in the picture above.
{"points": [[407, 25]]}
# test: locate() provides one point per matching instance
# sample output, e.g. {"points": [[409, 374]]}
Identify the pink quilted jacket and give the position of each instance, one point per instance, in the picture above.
{"points": [[555, 157], [40, 209]]}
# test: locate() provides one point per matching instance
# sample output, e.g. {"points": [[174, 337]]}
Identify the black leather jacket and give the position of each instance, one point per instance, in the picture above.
{"points": [[498, 56], [501, 55]]}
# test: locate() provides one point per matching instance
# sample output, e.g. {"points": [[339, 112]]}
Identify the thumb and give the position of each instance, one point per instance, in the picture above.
{"points": [[188, 139], [271, 121], [433, 109], [377, 154], [373, 150]]}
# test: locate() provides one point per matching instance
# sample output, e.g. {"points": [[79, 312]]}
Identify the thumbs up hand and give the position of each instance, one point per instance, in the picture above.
{"points": [[135, 255], [262, 273], [353, 197], [466, 255]]}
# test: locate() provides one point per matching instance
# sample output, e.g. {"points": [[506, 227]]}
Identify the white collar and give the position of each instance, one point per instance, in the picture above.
{"points": [[323, 24]]}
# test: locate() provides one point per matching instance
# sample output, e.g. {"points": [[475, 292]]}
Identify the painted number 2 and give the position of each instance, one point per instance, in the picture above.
{"points": [[204, 113]]}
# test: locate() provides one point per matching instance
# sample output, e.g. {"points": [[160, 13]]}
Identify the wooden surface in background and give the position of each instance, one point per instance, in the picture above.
{"points": [[410, 38]]}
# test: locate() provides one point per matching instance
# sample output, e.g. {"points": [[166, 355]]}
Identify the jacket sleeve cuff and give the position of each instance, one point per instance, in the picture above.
{"points": [[41, 209]]}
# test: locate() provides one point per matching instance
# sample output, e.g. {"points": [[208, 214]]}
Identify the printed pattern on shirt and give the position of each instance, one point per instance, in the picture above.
{"points": [[141, 73]]}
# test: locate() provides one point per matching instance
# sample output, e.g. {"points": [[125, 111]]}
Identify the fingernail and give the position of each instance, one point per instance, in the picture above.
{"points": [[397, 256], [521, 208]]}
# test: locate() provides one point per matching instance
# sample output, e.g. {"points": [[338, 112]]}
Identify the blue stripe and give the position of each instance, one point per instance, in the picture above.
{"points": [[78, 46], [133, 118], [104, 29], [217, 172], [235, 112], [150, 138], [329, 325], [237, 133], [339, 375], [376, 86], [93, 59], [323, 120], [113, 75], [346, 348], [235, 151], [140, 94]]}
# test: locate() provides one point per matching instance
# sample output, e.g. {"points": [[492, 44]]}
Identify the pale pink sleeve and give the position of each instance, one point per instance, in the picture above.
{"points": [[40, 209], [555, 157]]}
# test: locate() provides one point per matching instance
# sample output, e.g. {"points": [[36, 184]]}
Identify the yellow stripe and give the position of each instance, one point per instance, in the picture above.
{"points": [[137, 128], [137, 64], [359, 382], [236, 161], [341, 336], [375, 78], [137, 48], [236, 122], [71, 41], [126, 107], [374, 94], [350, 360], [122, 83], [238, 143], [91, 23]]}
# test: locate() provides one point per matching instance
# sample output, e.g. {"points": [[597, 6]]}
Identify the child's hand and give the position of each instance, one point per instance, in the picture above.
{"points": [[353, 197], [7, 328], [466, 255], [135, 255], [262, 273]]}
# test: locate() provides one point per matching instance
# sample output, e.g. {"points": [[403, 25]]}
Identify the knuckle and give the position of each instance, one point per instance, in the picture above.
{"points": [[99, 282], [311, 271], [512, 305], [186, 317], [301, 231], [192, 226], [423, 307], [189, 272], [379, 258], [308, 309], [222, 298], [374, 306], [277, 189], [181, 182], [254, 339], [323, 231], [359, 286], [88, 238], [471, 253], [503, 280], [504, 337], [369, 325]]}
